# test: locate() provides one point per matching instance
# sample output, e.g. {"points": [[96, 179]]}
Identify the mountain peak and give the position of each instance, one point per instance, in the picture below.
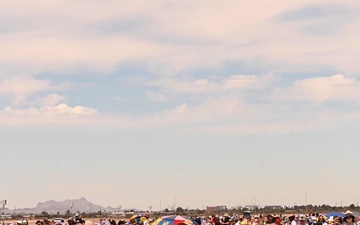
{"points": [[74, 205]]}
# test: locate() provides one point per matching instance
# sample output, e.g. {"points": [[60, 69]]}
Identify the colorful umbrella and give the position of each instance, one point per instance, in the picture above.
{"points": [[173, 220], [138, 218]]}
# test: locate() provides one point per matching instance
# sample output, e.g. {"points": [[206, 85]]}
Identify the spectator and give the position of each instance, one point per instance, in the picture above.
{"points": [[303, 220], [349, 218]]}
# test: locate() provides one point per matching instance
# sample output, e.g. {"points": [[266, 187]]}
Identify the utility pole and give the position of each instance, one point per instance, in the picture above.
{"points": [[160, 204], [306, 201], [3, 203], [255, 205]]}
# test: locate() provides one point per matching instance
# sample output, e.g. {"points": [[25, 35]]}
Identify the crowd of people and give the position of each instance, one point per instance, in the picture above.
{"points": [[347, 218], [273, 219]]}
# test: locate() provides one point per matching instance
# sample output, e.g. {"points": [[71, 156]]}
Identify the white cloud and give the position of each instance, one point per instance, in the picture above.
{"points": [[233, 82], [180, 86], [61, 109], [209, 112], [322, 89], [222, 116], [52, 100], [23, 85], [65, 109], [240, 81], [39, 54], [200, 35], [61, 113], [231, 116]]}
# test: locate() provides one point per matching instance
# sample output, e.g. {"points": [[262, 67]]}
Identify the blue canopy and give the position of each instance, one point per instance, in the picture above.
{"points": [[339, 214]]}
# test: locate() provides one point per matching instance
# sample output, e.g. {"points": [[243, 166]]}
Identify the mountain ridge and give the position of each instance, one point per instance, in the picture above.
{"points": [[53, 207]]}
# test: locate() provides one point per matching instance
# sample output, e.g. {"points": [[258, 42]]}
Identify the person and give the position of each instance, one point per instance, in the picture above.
{"points": [[256, 220], [261, 220], [278, 220], [303, 219], [336, 220], [272, 219], [321, 220], [349, 218], [286, 220], [71, 221], [331, 220], [224, 220], [78, 219], [121, 222], [266, 220], [294, 219]]}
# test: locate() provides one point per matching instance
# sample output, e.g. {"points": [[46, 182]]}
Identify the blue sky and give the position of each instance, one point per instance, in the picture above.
{"points": [[205, 102]]}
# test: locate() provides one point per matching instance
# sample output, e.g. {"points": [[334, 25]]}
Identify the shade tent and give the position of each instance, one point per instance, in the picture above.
{"points": [[339, 214]]}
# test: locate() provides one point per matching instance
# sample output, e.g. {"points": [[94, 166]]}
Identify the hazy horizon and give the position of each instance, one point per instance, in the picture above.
{"points": [[173, 205]]}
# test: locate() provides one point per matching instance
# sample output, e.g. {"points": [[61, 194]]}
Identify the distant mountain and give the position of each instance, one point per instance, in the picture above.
{"points": [[74, 205]]}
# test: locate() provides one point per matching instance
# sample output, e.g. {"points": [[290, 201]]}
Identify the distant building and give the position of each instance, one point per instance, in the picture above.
{"points": [[216, 208], [118, 213], [273, 207], [5, 216], [251, 207]]}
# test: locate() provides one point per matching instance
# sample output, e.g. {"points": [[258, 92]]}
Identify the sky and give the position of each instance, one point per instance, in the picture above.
{"points": [[180, 103]]}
